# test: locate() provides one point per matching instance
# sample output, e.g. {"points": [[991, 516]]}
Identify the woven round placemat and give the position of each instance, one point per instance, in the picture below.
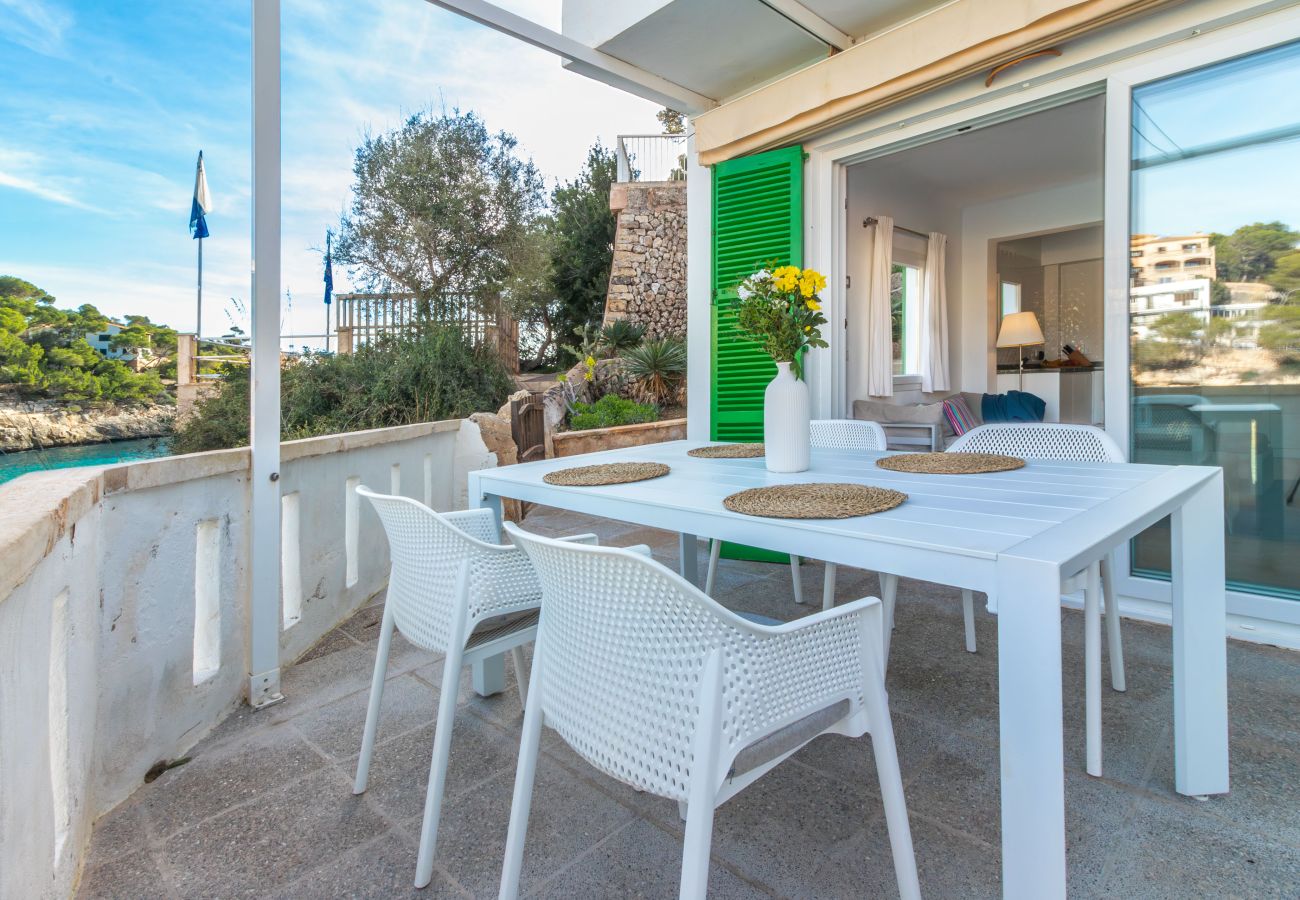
{"points": [[950, 463], [606, 473], [813, 501], [727, 451]]}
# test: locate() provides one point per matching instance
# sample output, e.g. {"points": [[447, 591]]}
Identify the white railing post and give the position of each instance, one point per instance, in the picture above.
{"points": [[264, 540], [624, 169]]}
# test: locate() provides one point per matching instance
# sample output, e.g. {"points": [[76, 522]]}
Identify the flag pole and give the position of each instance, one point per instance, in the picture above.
{"points": [[198, 315]]}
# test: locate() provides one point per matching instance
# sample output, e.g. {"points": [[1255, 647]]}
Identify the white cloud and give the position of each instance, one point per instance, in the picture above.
{"points": [[34, 24], [347, 68], [23, 171]]}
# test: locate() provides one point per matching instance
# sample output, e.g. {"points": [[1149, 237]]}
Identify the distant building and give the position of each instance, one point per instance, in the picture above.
{"points": [[1164, 259], [101, 341], [1148, 303]]}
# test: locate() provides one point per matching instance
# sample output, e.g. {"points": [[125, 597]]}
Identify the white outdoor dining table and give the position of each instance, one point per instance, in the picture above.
{"points": [[1014, 535]]}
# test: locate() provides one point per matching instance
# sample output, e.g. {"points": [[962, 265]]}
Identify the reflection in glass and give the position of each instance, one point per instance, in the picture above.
{"points": [[1214, 302]]}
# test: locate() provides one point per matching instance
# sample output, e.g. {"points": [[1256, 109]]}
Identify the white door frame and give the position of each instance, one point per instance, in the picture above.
{"points": [[1154, 596], [1251, 616]]}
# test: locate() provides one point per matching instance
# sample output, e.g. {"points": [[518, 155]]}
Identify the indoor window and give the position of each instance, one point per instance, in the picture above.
{"points": [[904, 310], [1010, 294]]}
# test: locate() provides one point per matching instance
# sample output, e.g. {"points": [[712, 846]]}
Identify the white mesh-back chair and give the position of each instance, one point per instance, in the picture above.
{"points": [[1047, 440], [663, 689], [840, 434], [454, 589]]}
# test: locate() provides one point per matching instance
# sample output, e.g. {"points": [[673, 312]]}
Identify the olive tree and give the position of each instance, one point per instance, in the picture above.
{"points": [[437, 206]]}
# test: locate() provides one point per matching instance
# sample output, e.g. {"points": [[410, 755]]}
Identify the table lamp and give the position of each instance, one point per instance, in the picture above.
{"points": [[1020, 330]]}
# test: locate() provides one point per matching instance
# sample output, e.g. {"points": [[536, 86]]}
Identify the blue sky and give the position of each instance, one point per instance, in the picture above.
{"points": [[106, 105]]}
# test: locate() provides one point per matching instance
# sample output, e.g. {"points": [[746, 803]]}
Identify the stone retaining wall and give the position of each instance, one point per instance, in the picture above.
{"points": [[647, 283]]}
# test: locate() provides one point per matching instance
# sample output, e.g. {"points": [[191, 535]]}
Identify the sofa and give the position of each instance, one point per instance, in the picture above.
{"points": [[903, 437]]}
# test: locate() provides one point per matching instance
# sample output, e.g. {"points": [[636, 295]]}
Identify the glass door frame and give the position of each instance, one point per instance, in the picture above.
{"points": [[1277, 29]]}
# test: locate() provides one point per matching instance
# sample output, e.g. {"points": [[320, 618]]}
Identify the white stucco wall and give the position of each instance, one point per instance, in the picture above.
{"points": [[1056, 208], [98, 614]]}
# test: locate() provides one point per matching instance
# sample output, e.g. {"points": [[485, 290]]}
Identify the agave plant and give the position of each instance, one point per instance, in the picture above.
{"points": [[656, 369], [620, 336]]}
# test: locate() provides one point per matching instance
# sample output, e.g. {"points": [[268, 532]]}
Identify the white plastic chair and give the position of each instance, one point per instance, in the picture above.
{"points": [[454, 589], [842, 434], [1047, 440], [663, 689]]}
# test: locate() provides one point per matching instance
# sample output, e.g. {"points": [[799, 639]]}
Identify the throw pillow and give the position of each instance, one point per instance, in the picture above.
{"points": [[960, 418]]}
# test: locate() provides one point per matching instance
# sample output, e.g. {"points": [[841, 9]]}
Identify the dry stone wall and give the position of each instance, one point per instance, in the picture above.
{"points": [[647, 283]]}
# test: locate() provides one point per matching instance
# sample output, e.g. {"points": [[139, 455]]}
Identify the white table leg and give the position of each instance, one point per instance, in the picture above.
{"points": [[1200, 644], [1029, 709], [488, 674], [688, 555]]}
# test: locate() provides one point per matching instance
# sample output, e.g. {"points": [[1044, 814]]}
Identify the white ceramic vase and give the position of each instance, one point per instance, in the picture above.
{"points": [[786, 414]]}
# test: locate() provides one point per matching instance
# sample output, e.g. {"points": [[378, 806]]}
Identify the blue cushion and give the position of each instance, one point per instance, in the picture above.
{"points": [[1013, 406]]}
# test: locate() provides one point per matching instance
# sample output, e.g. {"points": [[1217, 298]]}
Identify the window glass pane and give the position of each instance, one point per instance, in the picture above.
{"points": [[1214, 305], [1010, 298], [897, 312], [904, 301]]}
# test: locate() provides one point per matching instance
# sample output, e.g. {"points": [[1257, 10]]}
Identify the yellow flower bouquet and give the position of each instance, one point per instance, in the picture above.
{"points": [[780, 307]]}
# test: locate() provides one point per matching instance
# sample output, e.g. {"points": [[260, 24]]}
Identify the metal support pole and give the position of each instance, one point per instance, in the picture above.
{"points": [[198, 315], [264, 539]]}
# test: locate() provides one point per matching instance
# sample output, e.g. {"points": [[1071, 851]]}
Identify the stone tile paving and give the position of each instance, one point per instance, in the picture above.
{"points": [[265, 808]]}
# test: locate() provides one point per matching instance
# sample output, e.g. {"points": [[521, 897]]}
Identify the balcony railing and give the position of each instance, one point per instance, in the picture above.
{"points": [[651, 157], [125, 602]]}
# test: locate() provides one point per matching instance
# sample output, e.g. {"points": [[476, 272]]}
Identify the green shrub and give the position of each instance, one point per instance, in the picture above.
{"points": [[436, 375], [608, 411], [620, 336], [656, 369]]}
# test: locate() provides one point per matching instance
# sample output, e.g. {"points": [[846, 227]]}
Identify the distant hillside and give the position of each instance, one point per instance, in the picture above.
{"points": [[45, 354]]}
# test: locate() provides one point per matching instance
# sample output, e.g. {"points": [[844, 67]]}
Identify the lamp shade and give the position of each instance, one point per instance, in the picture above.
{"points": [[1019, 329]]}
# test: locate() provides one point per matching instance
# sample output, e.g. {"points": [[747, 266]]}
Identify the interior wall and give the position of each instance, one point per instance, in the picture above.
{"points": [[1060, 275], [911, 205], [1052, 209]]}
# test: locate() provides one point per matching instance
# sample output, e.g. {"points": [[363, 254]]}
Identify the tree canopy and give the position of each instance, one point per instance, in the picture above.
{"points": [[437, 204], [583, 249], [1253, 252], [44, 352]]}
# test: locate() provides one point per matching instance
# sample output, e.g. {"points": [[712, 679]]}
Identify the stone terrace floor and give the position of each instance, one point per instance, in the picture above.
{"points": [[265, 809]]}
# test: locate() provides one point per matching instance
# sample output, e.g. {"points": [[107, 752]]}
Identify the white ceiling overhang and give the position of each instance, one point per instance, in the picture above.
{"points": [[723, 48], [954, 41]]}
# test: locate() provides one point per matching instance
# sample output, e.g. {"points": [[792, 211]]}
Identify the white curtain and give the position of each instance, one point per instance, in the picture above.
{"points": [[934, 317], [878, 346]]}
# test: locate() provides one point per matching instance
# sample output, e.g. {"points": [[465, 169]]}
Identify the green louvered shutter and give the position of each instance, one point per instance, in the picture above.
{"points": [[757, 219]]}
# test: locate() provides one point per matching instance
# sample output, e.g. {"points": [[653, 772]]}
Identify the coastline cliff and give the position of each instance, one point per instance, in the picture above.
{"points": [[36, 424]]}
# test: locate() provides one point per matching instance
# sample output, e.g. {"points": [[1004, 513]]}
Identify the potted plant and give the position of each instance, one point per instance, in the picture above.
{"points": [[780, 308]]}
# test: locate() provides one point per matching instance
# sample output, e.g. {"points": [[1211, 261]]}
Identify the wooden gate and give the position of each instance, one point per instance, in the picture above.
{"points": [[528, 427]]}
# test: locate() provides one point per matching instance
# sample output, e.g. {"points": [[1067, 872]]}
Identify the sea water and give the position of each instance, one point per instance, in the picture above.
{"points": [[14, 464]]}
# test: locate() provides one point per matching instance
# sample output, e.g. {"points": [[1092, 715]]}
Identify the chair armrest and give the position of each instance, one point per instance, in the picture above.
{"points": [[478, 523], [589, 538], [643, 549], [806, 665], [503, 581]]}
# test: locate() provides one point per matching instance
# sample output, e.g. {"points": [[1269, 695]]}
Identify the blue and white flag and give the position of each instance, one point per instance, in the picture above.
{"points": [[201, 204], [329, 271]]}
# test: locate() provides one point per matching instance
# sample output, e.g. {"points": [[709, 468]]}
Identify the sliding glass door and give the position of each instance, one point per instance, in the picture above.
{"points": [[1213, 297]]}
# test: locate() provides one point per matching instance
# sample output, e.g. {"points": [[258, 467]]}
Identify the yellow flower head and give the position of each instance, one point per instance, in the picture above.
{"points": [[810, 282], [785, 278], [807, 328], [813, 305], [589, 375], [591, 362]]}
